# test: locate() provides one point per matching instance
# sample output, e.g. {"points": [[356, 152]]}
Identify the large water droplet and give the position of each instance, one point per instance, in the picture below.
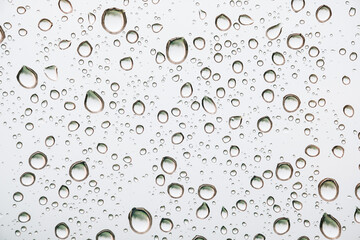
{"points": [[222, 22], [203, 211], [237, 67], [281, 225], [168, 164], [328, 189], [2, 34], [140, 220], [348, 111], [64, 191], [245, 19], [163, 116], [84, 49], [295, 41], [105, 234], [51, 72], [323, 13], [138, 107], [93, 102], [297, 5], [45, 24], [166, 225], [264, 124], [175, 190], [27, 77], [338, 151], [126, 63], [357, 215], [291, 102], [186, 90], [65, 6], [330, 226], [114, 20], [312, 150], [176, 50], [256, 182], [27, 179], [209, 105], [62, 230], [38, 160], [274, 32], [24, 217], [207, 191], [235, 122], [284, 171], [79, 171]]}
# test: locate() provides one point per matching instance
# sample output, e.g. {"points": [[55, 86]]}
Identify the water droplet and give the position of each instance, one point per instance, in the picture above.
{"points": [[281, 225], [168, 165], [157, 27], [93, 102], [198, 237], [84, 49], [274, 32], [126, 63], [357, 191], [166, 225], [295, 41], [177, 50], [45, 24], [65, 6], [138, 107], [348, 111], [245, 19], [264, 124], [224, 213], [186, 90], [140, 220], [175, 190], [18, 197], [207, 191], [203, 211], [330, 226], [105, 234], [64, 191], [199, 43], [132, 36], [235, 122], [297, 5], [79, 171], [270, 76], [222, 22], [208, 105], [328, 189], [241, 205], [24, 217], [51, 72], [256, 182], [323, 13], [38, 160], [312, 150], [291, 102], [163, 116], [237, 67], [268, 95], [114, 20], [278, 58], [338, 151], [2, 34], [357, 215], [27, 77], [284, 171], [62, 230], [27, 179], [160, 180]]}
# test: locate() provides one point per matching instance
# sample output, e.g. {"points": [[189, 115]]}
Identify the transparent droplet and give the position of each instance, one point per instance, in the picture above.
{"points": [[45, 24], [93, 102], [357, 215], [278, 58], [2, 34], [168, 165], [330, 226], [268, 95], [256, 182], [203, 211], [177, 50], [295, 41], [323, 13], [281, 225], [62, 231], [105, 234], [348, 111], [199, 43], [328, 189], [163, 116], [157, 27], [138, 107], [297, 5], [79, 171], [241, 205], [207, 191], [84, 49], [198, 237], [160, 180], [114, 20], [51, 72], [126, 63], [102, 148], [270, 76], [177, 138], [274, 32], [237, 67], [235, 122], [140, 220], [64, 191], [245, 19], [18, 197], [338, 151], [312, 150], [186, 90], [24, 217], [208, 105], [175, 190], [222, 22], [73, 126], [284, 171], [166, 225], [38, 160], [224, 213], [132, 36], [264, 124], [27, 77], [65, 6], [291, 102], [27, 179]]}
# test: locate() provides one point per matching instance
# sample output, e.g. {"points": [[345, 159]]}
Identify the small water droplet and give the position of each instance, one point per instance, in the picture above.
{"points": [[186, 90], [126, 63], [208, 105], [27, 179], [207, 191], [284, 171], [45, 24], [105, 234], [222, 22], [175, 190], [291, 102], [168, 165], [323, 13], [203, 211], [312, 150], [27, 77], [138, 107], [274, 31], [38, 160], [84, 49], [295, 41], [93, 102], [256, 182], [297, 5], [328, 189], [166, 225], [64, 191], [264, 124], [245, 19], [177, 50], [62, 230]]}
